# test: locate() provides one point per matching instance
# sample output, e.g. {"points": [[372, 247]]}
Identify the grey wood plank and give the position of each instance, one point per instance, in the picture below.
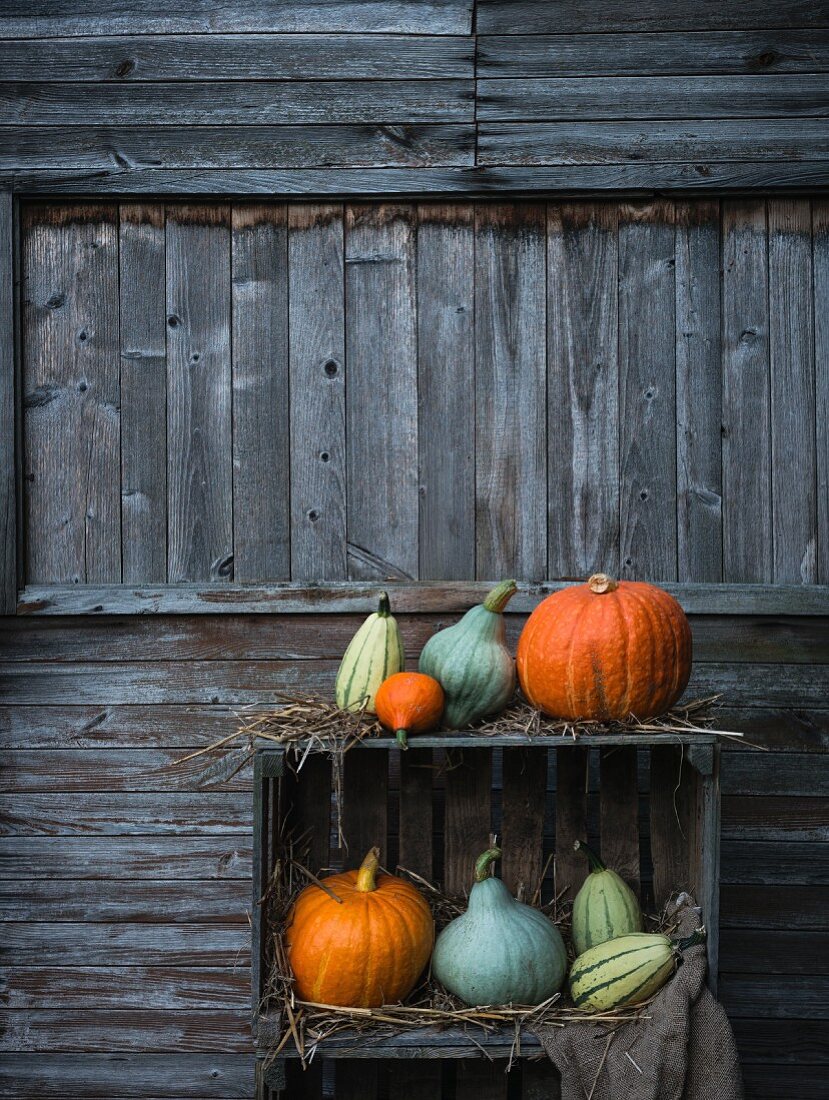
{"points": [[706, 140], [317, 382], [416, 812], [537, 17], [697, 177], [745, 951], [365, 809], [139, 1030], [811, 1079], [52, 943], [91, 17], [647, 385], [759, 908], [783, 774], [131, 857], [199, 427], [522, 820], [792, 366], [790, 817], [142, 901], [467, 821], [820, 261], [619, 813], [510, 391], [135, 58], [237, 146], [774, 863], [582, 389], [126, 1076], [571, 819], [746, 447], [141, 258], [178, 103], [8, 413], [261, 429], [305, 810], [446, 381], [112, 727], [357, 598], [644, 96], [796, 1042], [776, 997], [698, 392], [616, 53], [70, 394], [381, 393], [673, 822], [124, 987], [180, 813]]}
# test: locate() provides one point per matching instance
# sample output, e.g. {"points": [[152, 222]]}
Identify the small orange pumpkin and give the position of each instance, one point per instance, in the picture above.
{"points": [[364, 950], [409, 702], [605, 650]]}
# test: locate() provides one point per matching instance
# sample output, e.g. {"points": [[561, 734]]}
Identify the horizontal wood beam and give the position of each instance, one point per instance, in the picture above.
{"points": [[415, 597]]}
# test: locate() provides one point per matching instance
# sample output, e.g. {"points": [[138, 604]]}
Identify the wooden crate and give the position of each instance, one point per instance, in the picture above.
{"points": [[650, 803]]}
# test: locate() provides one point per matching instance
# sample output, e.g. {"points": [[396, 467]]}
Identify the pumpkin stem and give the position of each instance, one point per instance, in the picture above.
{"points": [[601, 583], [700, 936], [594, 861], [368, 872], [483, 862], [402, 739], [500, 596], [384, 606]]}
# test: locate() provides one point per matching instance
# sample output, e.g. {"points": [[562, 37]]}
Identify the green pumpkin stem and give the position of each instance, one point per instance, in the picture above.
{"points": [[594, 861], [367, 875], [500, 596], [402, 739], [700, 936], [483, 863], [384, 606]]}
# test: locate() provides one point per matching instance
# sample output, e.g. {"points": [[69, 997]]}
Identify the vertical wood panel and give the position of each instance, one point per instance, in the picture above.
{"points": [[261, 444], [522, 820], [143, 393], [446, 383], [8, 476], [792, 365], [416, 811], [71, 394], [698, 392], [571, 818], [583, 389], [468, 815], [510, 391], [619, 813], [820, 231], [647, 350], [747, 519], [365, 809], [199, 429], [480, 1079], [381, 357], [317, 338], [673, 814]]}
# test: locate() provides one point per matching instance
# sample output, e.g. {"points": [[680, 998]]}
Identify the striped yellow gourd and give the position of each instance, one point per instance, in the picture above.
{"points": [[625, 971], [373, 654], [604, 908]]}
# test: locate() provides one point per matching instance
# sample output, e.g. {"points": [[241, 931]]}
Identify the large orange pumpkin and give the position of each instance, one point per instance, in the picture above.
{"points": [[605, 650], [409, 702], [364, 950]]}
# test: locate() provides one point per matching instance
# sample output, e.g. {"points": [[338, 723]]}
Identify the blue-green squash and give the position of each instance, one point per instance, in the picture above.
{"points": [[471, 662], [499, 951], [604, 908]]}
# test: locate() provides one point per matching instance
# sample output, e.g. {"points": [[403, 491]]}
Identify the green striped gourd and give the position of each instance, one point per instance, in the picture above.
{"points": [[373, 654], [605, 907], [471, 662], [625, 971]]}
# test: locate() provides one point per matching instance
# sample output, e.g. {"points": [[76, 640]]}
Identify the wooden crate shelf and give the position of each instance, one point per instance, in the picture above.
{"points": [[650, 802]]}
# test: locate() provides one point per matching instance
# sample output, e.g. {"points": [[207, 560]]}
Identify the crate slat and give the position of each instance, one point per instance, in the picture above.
{"points": [[480, 1080], [365, 805], [619, 813], [571, 817], [522, 820], [357, 1080], [468, 815], [673, 827], [306, 801]]}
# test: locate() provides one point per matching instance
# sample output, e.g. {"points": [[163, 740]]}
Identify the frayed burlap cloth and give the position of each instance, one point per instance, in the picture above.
{"points": [[684, 1050]]}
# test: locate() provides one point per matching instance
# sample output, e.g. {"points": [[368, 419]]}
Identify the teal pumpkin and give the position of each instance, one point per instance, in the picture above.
{"points": [[471, 662], [604, 908], [499, 951]]}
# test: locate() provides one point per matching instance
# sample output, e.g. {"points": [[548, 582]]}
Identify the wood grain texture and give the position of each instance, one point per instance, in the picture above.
{"points": [[317, 364], [365, 808], [67, 943], [698, 392], [672, 809], [820, 261], [71, 395], [145, 902], [522, 820], [619, 813], [571, 819], [199, 426], [416, 812], [510, 391], [141, 814], [747, 552], [143, 335], [260, 399], [445, 382], [792, 366], [582, 389], [9, 577], [647, 387], [467, 821], [381, 394], [124, 987]]}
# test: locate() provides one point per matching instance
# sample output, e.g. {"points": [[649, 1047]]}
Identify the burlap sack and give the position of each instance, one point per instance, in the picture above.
{"points": [[684, 1051]]}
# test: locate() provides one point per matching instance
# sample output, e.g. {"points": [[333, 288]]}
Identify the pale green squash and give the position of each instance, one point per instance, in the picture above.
{"points": [[373, 654], [604, 908], [471, 662], [499, 951]]}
